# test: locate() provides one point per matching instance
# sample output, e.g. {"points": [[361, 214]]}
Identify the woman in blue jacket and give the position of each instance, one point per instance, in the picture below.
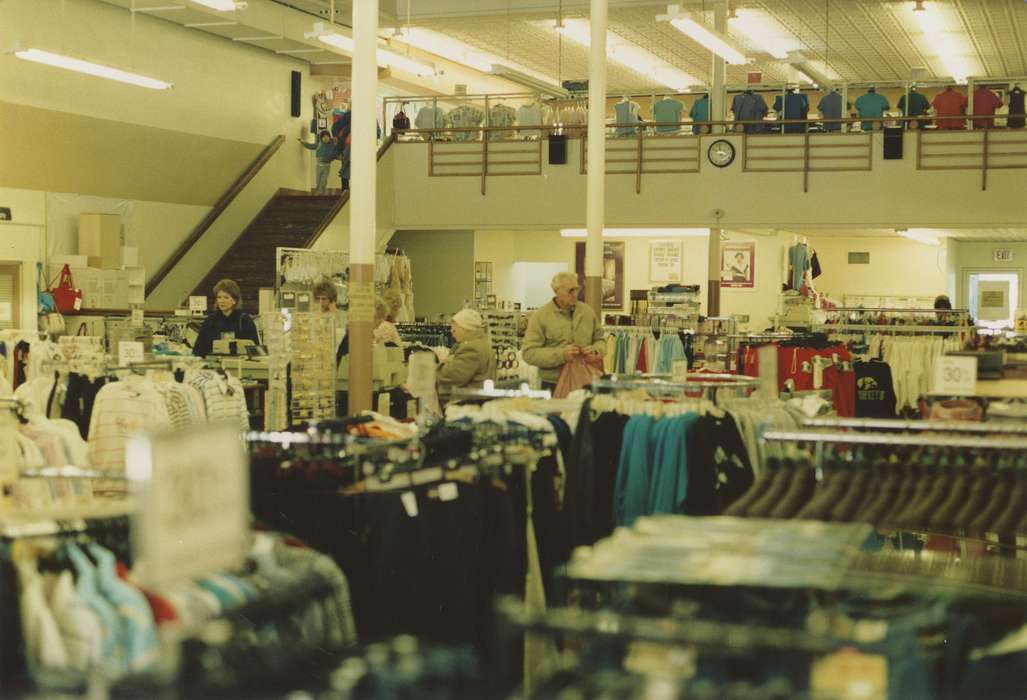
{"points": [[227, 318]]}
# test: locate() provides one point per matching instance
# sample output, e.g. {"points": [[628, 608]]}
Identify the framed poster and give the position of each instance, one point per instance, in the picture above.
{"points": [[738, 265], [613, 272], [665, 261]]}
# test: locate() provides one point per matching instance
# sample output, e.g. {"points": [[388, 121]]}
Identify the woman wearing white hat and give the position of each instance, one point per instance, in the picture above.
{"points": [[473, 360]]}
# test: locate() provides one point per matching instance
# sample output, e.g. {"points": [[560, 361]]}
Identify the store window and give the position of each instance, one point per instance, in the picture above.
{"points": [[993, 298]]}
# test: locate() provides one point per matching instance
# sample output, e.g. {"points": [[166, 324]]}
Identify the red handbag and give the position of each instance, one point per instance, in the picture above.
{"points": [[67, 298]]}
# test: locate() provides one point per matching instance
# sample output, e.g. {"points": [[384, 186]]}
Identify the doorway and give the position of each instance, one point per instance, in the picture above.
{"points": [[992, 297]]}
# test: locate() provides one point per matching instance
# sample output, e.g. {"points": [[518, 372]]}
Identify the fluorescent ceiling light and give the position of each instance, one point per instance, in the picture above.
{"points": [[627, 54], [764, 32], [459, 52], [448, 48], [384, 57], [639, 232], [943, 36], [711, 39], [221, 5], [817, 73], [529, 81], [59, 61], [921, 235]]}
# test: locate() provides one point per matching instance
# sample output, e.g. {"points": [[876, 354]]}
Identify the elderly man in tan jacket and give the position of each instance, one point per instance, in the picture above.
{"points": [[561, 330]]}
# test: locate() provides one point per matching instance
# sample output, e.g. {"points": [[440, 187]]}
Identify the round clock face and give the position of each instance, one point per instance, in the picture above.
{"points": [[721, 153]]}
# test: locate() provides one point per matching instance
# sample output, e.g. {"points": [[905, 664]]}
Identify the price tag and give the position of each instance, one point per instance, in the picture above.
{"points": [[955, 375], [130, 351], [194, 508], [137, 318], [198, 305], [361, 302]]}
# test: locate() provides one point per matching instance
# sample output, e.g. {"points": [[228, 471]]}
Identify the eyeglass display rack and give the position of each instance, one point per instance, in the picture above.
{"points": [[502, 329]]}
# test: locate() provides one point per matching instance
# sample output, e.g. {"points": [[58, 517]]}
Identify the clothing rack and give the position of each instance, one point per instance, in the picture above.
{"points": [[147, 365], [69, 472], [982, 443], [489, 393], [918, 426]]}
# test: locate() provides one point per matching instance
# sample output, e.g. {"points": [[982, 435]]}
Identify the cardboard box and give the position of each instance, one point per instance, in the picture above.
{"points": [[99, 238], [129, 256], [72, 261], [85, 278]]}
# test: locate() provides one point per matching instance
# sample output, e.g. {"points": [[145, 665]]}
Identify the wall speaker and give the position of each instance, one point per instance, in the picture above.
{"points": [[893, 143], [557, 149], [296, 106]]}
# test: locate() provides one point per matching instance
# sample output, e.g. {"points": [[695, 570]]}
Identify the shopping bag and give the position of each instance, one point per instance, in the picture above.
{"points": [[43, 297], [577, 374], [66, 297]]}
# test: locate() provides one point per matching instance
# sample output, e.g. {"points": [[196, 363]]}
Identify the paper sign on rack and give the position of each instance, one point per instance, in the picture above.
{"points": [[194, 509], [130, 351], [955, 375], [198, 304]]}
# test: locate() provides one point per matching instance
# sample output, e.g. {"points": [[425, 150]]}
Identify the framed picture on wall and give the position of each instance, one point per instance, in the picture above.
{"points": [[665, 261], [613, 272], [738, 265]]}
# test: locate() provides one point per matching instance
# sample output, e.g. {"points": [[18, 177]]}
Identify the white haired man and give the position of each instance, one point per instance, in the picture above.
{"points": [[561, 330]]}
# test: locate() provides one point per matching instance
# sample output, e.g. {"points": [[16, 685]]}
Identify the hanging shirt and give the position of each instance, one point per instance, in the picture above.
{"points": [[985, 102], [627, 113], [667, 110], [814, 266], [830, 107], [917, 106], [502, 115], [871, 105], [1016, 109], [950, 103], [465, 115], [429, 118], [700, 112], [798, 259], [400, 122], [794, 105], [749, 106], [875, 391]]}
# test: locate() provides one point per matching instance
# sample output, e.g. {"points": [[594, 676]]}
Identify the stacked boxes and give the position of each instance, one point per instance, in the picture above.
{"points": [[107, 272]]}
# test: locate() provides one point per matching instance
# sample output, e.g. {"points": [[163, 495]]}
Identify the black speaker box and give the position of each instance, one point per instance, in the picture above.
{"points": [[296, 107], [557, 149], [893, 143]]}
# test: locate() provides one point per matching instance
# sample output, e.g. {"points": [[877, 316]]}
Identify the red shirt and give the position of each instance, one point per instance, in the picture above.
{"points": [[985, 102], [950, 103]]}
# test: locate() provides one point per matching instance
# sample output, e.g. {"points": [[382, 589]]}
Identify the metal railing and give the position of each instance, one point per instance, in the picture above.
{"points": [[768, 146]]}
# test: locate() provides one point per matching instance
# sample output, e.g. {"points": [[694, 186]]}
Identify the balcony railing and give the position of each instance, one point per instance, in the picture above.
{"points": [[781, 146]]}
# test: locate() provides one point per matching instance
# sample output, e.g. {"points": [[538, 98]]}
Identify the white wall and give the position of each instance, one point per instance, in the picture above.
{"points": [[977, 256], [898, 266], [22, 241]]}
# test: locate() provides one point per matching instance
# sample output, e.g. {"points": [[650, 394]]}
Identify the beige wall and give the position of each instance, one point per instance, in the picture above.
{"points": [[893, 195], [898, 266], [443, 267], [977, 256]]}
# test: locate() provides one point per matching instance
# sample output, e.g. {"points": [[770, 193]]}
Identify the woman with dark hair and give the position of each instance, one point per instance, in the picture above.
{"points": [[226, 318]]}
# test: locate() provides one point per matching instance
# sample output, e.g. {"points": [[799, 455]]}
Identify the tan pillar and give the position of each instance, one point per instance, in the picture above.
{"points": [[362, 204], [595, 193]]}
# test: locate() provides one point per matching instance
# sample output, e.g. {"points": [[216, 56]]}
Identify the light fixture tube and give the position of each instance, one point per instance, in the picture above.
{"points": [[920, 235], [707, 37], [764, 32], [629, 55], [448, 48], [937, 34], [89, 68], [383, 57], [639, 232], [220, 5]]}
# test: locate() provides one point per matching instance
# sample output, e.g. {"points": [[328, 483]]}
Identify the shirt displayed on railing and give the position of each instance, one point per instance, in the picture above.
{"points": [[1016, 108], [872, 105], [793, 105], [627, 112], [830, 107], [985, 102], [918, 104], [749, 106], [668, 111], [430, 118], [700, 112], [950, 103]]}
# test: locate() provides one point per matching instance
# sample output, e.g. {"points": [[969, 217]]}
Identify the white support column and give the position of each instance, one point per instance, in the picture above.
{"points": [[362, 203], [718, 71], [595, 198]]}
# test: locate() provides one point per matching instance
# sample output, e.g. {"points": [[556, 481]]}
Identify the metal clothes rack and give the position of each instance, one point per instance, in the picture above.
{"points": [[918, 426], [810, 436], [487, 393]]}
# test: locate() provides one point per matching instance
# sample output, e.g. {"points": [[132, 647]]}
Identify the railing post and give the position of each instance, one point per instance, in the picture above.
{"points": [[984, 161], [484, 158], [638, 162], [805, 162]]}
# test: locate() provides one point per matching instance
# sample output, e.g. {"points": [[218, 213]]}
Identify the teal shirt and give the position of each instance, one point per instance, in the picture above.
{"points": [[871, 105], [325, 152], [700, 112], [667, 114]]}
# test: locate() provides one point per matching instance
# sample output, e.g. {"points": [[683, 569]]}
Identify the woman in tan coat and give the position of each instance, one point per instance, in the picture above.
{"points": [[473, 360]]}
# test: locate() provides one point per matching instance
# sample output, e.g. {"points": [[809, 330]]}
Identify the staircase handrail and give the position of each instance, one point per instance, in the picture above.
{"points": [[219, 207]]}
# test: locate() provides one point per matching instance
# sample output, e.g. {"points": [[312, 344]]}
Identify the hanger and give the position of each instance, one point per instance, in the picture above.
{"points": [[872, 88]]}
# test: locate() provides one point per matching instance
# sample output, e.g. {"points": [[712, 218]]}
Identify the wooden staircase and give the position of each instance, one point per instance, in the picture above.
{"points": [[291, 218]]}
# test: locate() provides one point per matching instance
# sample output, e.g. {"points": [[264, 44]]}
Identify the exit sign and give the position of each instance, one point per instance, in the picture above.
{"points": [[1002, 255]]}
